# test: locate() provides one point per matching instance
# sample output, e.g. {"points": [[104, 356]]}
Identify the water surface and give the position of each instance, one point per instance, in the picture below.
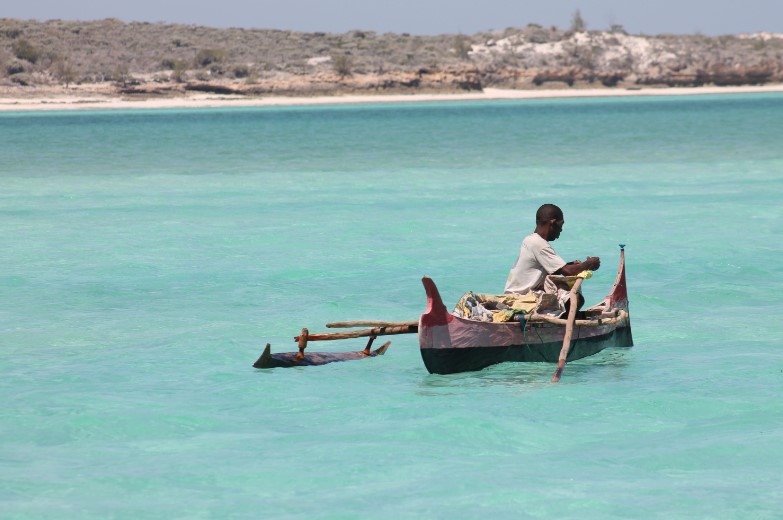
{"points": [[147, 257]]}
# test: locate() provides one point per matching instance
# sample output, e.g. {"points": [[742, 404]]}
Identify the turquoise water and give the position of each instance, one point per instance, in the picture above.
{"points": [[147, 257]]}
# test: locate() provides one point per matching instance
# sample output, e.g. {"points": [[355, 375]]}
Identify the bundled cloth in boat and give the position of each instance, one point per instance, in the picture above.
{"points": [[496, 308], [501, 308]]}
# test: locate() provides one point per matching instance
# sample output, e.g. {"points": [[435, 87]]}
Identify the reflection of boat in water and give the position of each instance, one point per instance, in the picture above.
{"points": [[450, 344]]}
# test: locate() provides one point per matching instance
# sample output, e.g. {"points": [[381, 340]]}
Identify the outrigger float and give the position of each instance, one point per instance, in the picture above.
{"points": [[450, 344], [295, 359]]}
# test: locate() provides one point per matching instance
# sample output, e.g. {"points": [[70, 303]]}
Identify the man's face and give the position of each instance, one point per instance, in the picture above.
{"points": [[555, 228]]}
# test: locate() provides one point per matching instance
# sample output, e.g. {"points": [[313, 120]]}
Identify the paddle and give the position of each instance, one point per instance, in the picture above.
{"points": [[574, 295]]}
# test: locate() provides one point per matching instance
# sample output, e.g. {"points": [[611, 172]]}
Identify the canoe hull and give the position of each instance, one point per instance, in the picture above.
{"points": [[455, 360]]}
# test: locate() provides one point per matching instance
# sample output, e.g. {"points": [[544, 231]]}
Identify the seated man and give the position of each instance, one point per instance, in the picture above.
{"points": [[537, 259]]}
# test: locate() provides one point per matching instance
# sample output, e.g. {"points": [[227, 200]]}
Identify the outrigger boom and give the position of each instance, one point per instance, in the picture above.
{"points": [[378, 328]]}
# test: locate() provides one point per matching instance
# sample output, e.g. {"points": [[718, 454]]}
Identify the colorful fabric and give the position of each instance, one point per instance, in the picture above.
{"points": [[501, 308], [494, 308]]}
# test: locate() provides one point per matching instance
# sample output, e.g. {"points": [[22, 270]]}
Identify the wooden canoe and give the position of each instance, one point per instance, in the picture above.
{"points": [[450, 344]]}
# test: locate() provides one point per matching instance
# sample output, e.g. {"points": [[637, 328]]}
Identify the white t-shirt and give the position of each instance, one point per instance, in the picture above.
{"points": [[536, 260]]}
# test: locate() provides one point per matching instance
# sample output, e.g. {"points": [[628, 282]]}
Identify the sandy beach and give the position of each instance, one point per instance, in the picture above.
{"points": [[77, 98]]}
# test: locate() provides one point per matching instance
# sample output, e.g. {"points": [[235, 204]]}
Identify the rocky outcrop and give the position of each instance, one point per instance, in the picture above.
{"points": [[718, 76], [618, 59], [213, 88]]}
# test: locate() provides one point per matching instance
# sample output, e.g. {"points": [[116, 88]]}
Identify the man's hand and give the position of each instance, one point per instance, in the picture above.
{"points": [[574, 268], [592, 263]]}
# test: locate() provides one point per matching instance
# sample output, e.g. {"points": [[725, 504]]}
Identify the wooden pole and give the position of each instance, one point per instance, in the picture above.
{"points": [[302, 339], [349, 324], [569, 330], [369, 344], [615, 316], [375, 331]]}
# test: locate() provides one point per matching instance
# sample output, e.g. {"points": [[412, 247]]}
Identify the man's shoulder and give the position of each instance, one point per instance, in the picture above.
{"points": [[535, 240]]}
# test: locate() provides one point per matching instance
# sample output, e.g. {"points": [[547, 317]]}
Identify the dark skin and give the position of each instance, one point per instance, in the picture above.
{"points": [[550, 230]]}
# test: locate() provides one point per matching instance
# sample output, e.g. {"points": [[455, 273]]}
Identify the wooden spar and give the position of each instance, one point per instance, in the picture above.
{"points": [[569, 330], [617, 316], [412, 327], [375, 331], [388, 328], [349, 324]]}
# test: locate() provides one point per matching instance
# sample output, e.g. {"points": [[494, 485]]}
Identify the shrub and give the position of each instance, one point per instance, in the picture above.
{"points": [[241, 71], [11, 33], [342, 64], [252, 77], [121, 75], [462, 47], [179, 71], [15, 67], [64, 72], [577, 22], [617, 28], [217, 71], [206, 57], [24, 79], [24, 50], [178, 68]]}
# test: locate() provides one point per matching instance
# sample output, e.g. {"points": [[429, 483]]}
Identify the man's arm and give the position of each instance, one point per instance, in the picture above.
{"points": [[573, 268]]}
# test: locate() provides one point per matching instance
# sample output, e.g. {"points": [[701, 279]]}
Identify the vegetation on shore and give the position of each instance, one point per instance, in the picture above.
{"points": [[158, 58]]}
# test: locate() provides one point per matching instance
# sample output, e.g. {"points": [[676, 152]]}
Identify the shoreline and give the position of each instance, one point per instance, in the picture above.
{"points": [[78, 99]]}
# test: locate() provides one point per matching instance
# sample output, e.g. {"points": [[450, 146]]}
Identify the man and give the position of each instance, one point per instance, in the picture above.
{"points": [[537, 259]]}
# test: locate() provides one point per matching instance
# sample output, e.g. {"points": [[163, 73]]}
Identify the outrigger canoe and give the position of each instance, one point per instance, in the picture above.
{"points": [[451, 344]]}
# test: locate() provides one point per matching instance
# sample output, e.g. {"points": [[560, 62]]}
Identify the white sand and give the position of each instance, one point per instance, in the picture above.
{"points": [[90, 101]]}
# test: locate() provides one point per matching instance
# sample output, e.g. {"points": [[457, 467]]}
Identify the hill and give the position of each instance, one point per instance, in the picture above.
{"points": [[163, 59]]}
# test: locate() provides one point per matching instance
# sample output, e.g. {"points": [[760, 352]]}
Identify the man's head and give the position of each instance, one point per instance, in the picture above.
{"points": [[549, 222]]}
